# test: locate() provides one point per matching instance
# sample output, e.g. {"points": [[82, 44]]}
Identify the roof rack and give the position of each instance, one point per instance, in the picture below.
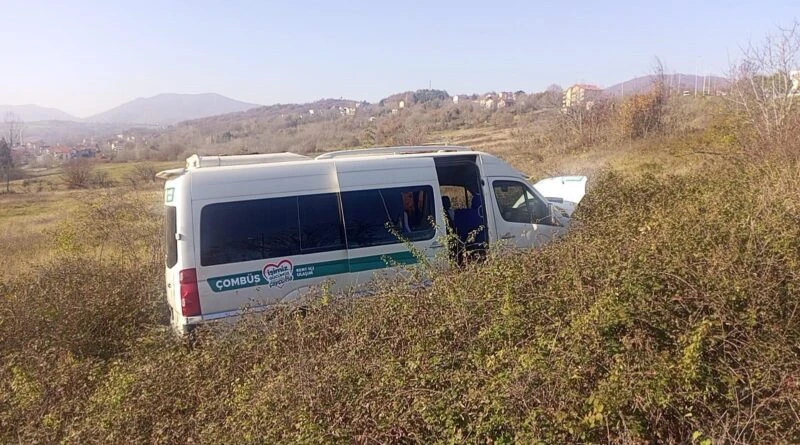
{"points": [[443, 143], [197, 161], [391, 151], [171, 173]]}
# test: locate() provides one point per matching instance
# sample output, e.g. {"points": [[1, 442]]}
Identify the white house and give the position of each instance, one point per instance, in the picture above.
{"points": [[795, 91]]}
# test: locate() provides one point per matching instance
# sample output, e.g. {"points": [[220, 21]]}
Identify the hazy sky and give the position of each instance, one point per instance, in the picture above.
{"points": [[84, 57]]}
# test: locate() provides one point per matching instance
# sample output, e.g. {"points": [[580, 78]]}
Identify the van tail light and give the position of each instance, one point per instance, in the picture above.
{"points": [[190, 295]]}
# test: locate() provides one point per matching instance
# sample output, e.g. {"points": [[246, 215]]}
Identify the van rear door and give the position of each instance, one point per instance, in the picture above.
{"points": [[171, 256]]}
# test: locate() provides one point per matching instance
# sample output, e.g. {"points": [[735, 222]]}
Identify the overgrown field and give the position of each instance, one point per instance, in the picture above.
{"points": [[90, 173], [671, 314]]}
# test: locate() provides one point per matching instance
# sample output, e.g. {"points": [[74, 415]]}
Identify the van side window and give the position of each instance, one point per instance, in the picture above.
{"points": [[407, 209], [320, 223], [539, 208], [460, 197], [170, 230], [511, 202], [231, 232], [518, 204]]}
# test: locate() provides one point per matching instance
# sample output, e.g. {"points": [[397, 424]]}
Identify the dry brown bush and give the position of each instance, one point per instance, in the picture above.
{"points": [[77, 173]]}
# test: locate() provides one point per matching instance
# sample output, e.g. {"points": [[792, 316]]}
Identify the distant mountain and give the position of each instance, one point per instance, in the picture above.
{"points": [[679, 82], [166, 109], [32, 113], [319, 108]]}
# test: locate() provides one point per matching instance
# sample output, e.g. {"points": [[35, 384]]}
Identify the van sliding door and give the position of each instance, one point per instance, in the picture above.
{"points": [[392, 214]]}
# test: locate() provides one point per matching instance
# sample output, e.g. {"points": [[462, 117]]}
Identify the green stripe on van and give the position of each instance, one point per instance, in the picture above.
{"points": [[313, 270], [380, 261]]}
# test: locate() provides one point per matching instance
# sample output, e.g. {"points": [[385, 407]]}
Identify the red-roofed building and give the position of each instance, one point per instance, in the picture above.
{"points": [[61, 152]]}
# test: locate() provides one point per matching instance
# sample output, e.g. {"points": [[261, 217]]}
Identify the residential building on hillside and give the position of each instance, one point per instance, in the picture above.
{"points": [[581, 94], [84, 152], [65, 152], [488, 101], [116, 145], [34, 144], [61, 152], [795, 91]]}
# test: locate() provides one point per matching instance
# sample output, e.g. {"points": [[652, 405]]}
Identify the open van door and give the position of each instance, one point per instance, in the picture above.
{"points": [[523, 218]]}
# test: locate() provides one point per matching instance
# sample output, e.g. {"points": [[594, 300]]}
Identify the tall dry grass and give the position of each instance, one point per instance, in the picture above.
{"points": [[669, 315]]}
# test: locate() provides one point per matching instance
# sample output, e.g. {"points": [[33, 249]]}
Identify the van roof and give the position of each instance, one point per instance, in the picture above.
{"points": [[401, 150], [287, 159]]}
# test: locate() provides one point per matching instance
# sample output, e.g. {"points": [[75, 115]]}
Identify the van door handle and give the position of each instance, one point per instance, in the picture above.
{"points": [[508, 236]]}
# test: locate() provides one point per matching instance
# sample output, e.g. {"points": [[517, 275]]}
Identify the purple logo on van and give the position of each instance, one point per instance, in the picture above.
{"points": [[279, 274]]}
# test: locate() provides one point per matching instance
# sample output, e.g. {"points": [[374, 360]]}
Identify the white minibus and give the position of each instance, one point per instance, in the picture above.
{"points": [[258, 230]]}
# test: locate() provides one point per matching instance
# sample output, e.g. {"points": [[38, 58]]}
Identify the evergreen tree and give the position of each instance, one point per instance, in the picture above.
{"points": [[6, 162]]}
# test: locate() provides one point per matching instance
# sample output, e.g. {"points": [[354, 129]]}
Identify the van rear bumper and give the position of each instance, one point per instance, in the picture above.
{"points": [[200, 319], [214, 316]]}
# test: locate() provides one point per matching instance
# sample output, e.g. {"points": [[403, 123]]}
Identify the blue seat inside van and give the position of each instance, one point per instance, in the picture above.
{"points": [[466, 221]]}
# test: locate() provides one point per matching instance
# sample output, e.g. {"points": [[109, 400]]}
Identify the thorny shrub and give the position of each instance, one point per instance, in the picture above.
{"points": [[668, 315]]}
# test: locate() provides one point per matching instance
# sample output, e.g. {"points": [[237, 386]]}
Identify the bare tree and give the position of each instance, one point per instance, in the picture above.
{"points": [[15, 127], [553, 96], [585, 124], [660, 83], [761, 90]]}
